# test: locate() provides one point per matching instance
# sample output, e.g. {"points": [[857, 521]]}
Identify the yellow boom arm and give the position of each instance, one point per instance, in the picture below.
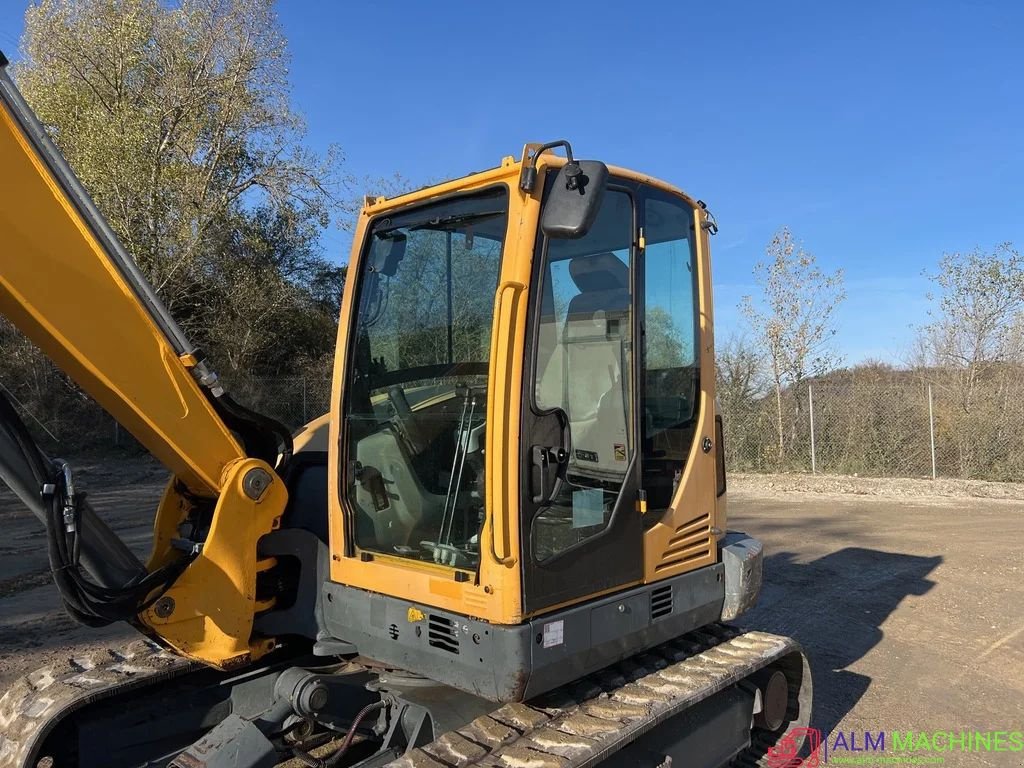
{"points": [[69, 286]]}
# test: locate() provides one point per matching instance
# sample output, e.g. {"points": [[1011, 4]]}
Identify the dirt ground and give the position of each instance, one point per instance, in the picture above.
{"points": [[908, 601], [33, 626], [906, 595]]}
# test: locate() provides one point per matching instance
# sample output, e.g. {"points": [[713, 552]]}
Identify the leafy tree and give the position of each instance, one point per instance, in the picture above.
{"points": [[272, 303], [177, 119], [794, 319]]}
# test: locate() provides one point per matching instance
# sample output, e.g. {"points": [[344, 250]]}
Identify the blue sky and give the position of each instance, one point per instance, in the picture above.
{"points": [[882, 134]]}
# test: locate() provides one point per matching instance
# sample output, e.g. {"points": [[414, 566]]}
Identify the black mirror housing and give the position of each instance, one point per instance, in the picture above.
{"points": [[388, 252], [574, 199]]}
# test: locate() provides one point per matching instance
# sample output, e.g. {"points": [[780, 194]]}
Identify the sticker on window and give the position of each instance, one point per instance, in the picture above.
{"points": [[620, 452], [554, 633], [587, 507]]}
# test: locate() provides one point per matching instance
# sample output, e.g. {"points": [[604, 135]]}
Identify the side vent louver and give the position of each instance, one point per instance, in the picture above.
{"points": [[661, 602], [441, 633]]}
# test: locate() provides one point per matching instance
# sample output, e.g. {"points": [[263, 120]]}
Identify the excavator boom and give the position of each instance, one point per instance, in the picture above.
{"points": [[67, 283], [69, 286]]}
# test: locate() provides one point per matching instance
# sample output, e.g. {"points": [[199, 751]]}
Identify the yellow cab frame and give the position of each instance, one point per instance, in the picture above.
{"points": [[695, 519]]}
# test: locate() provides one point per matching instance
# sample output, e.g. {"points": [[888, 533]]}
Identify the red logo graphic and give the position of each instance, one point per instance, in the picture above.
{"points": [[784, 754]]}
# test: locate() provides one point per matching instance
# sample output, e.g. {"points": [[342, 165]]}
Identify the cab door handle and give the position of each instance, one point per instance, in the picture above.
{"points": [[544, 460]]}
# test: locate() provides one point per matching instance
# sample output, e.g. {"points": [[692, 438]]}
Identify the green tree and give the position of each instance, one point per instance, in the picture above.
{"points": [[177, 119], [272, 302]]}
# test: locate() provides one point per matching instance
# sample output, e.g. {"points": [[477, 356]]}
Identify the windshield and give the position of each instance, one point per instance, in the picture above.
{"points": [[417, 381]]}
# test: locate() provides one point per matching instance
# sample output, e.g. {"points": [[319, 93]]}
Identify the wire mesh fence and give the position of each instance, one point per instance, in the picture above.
{"points": [[867, 421], [292, 400], [884, 423]]}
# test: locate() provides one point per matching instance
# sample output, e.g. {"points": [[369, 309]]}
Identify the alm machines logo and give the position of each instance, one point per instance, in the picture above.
{"points": [[784, 753], [890, 747]]}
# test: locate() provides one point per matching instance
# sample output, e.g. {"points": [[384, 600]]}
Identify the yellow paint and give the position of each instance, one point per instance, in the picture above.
{"points": [[215, 599], [58, 286], [496, 595], [683, 540]]}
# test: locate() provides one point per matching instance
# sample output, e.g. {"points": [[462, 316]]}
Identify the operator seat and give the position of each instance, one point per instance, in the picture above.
{"points": [[596, 350]]}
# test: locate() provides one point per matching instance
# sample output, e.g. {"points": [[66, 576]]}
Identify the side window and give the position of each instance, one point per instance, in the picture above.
{"points": [[671, 373], [584, 366]]}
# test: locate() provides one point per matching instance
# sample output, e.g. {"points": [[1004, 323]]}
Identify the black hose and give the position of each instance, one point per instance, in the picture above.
{"points": [[307, 759], [335, 758], [262, 437], [86, 601]]}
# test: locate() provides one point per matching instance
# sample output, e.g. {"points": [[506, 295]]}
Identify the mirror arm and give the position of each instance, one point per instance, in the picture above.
{"points": [[528, 176]]}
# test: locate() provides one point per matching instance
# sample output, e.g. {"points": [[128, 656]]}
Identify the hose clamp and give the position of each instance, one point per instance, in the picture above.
{"points": [[70, 515]]}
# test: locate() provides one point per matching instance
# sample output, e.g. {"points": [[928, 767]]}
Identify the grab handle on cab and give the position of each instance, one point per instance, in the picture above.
{"points": [[506, 309]]}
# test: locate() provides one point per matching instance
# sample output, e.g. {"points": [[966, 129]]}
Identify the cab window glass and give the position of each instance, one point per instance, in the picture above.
{"points": [[584, 366], [671, 374], [416, 391]]}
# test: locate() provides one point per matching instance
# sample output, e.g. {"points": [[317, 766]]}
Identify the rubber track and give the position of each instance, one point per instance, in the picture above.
{"points": [[584, 722], [573, 727], [37, 702]]}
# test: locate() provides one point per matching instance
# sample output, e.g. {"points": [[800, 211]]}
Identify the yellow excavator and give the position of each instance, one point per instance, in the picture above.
{"points": [[505, 545]]}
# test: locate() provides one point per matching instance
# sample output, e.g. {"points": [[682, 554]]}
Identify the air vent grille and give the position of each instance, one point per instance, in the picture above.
{"points": [[661, 602], [442, 633], [692, 543]]}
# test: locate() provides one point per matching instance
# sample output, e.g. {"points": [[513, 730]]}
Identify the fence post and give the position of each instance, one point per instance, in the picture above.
{"points": [[931, 430], [810, 408]]}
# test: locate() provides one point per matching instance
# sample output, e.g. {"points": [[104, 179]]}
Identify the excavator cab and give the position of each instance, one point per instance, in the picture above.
{"points": [[525, 419], [518, 495]]}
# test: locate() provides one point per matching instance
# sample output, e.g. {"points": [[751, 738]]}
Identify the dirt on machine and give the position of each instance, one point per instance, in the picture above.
{"points": [[505, 545]]}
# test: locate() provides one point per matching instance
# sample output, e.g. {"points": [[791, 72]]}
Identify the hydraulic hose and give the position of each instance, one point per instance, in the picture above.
{"points": [[98, 577], [336, 757]]}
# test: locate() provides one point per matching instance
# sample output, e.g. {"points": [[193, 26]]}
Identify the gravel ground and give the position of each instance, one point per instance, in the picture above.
{"points": [[906, 594], [890, 487]]}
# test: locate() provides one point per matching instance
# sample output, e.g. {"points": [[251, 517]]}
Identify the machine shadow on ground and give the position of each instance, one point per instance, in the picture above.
{"points": [[835, 607]]}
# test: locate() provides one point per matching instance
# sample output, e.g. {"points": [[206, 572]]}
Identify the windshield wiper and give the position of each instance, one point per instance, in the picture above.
{"points": [[443, 222]]}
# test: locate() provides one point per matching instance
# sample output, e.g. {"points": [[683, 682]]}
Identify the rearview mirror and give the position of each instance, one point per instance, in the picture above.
{"points": [[574, 199]]}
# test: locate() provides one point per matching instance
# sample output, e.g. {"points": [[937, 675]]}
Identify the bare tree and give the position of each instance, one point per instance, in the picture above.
{"points": [[794, 318], [739, 367], [972, 348]]}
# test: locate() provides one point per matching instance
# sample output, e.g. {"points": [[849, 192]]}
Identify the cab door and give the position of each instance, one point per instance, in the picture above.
{"points": [[581, 532]]}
